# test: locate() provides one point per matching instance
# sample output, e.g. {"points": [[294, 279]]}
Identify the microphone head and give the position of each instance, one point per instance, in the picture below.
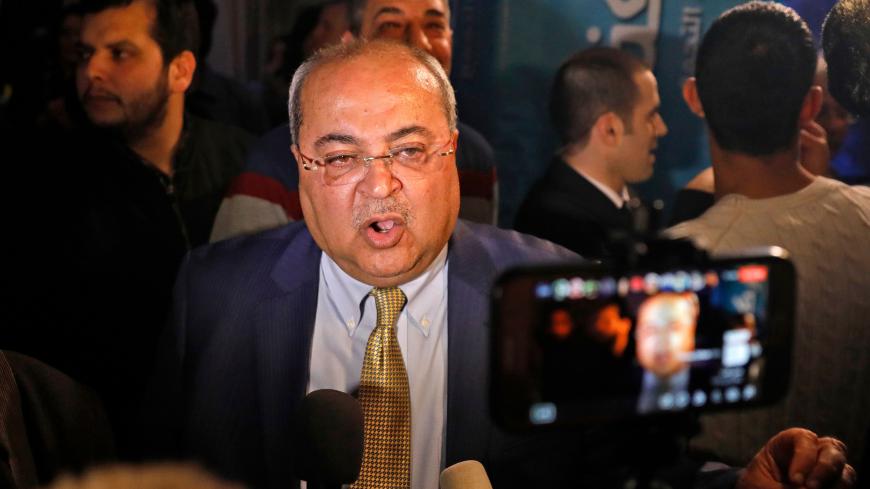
{"points": [[469, 474], [329, 434]]}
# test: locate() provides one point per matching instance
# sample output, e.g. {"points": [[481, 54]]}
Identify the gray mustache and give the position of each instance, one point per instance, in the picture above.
{"points": [[390, 205]]}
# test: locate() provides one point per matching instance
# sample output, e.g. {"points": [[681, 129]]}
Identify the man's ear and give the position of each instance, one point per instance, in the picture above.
{"points": [[608, 129], [812, 104], [296, 154], [181, 70], [690, 95], [347, 37]]}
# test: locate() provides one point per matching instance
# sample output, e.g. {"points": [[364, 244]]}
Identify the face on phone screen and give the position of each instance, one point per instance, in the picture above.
{"points": [[641, 343]]}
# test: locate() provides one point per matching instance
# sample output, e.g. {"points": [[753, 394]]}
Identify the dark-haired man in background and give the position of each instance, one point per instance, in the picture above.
{"points": [[133, 194], [846, 42], [605, 107], [137, 63], [753, 87]]}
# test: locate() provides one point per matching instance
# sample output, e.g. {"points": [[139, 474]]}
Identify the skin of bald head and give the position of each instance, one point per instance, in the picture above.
{"points": [[665, 332], [382, 49], [386, 228]]}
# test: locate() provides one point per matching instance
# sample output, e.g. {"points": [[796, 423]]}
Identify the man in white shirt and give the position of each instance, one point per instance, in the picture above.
{"points": [[753, 87], [605, 107], [259, 321]]}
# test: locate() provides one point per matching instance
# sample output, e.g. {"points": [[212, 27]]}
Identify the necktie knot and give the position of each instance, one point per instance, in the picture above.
{"points": [[389, 302]]}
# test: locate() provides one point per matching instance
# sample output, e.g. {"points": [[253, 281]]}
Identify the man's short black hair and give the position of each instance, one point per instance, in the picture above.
{"points": [[591, 83], [755, 66], [206, 15], [175, 28], [846, 41]]}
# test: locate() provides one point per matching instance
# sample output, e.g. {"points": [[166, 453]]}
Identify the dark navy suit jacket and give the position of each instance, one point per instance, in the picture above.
{"points": [[233, 367], [234, 363], [566, 208]]}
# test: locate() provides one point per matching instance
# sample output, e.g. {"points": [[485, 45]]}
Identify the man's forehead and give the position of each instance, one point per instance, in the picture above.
{"points": [[428, 8], [663, 311], [366, 84], [369, 71], [645, 81]]}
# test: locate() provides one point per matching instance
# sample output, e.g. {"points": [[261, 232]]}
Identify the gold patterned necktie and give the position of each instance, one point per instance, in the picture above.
{"points": [[386, 401]]}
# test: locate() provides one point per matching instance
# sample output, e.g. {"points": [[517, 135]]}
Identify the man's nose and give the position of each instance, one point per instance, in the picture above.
{"points": [[661, 127], [93, 67], [663, 340], [379, 180], [416, 36]]}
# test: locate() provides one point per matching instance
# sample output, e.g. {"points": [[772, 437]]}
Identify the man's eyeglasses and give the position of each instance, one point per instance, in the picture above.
{"points": [[408, 161]]}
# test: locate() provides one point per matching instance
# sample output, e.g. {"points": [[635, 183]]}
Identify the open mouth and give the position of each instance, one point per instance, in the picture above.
{"points": [[383, 231], [383, 226]]}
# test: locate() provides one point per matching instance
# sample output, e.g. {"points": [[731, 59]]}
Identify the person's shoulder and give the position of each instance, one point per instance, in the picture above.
{"points": [[703, 230], [218, 133], [549, 182], [854, 199], [270, 156], [561, 194], [474, 152], [542, 205], [473, 136], [215, 147], [503, 244], [836, 200], [689, 204], [221, 284], [251, 255], [859, 194], [276, 141]]}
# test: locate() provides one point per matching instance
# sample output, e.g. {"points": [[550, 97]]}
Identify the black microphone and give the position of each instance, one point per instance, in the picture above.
{"points": [[329, 439]]}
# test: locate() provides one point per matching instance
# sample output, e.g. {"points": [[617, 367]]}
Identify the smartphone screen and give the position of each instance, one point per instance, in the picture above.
{"points": [[582, 344]]}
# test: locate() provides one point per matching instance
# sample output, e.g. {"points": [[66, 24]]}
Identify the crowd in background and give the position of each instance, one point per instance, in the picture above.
{"points": [[122, 160]]}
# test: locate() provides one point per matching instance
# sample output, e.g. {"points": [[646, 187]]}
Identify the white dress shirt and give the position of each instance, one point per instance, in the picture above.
{"points": [[618, 200], [346, 315]]}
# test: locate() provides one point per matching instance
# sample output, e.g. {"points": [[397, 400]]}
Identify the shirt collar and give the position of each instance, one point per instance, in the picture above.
{"points": [[617, 199], [347, 295]]}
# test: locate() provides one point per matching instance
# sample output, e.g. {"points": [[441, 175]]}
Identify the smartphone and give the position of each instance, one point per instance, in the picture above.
{"points": [[583, 343]]}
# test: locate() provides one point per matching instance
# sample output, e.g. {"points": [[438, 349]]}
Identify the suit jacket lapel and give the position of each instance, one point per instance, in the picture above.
{"points": [[285, 324], [469, 273]]}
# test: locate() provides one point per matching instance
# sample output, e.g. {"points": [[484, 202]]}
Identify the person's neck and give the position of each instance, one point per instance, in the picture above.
{"points": [[594, 164], [758, 177], [158, 145]]}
